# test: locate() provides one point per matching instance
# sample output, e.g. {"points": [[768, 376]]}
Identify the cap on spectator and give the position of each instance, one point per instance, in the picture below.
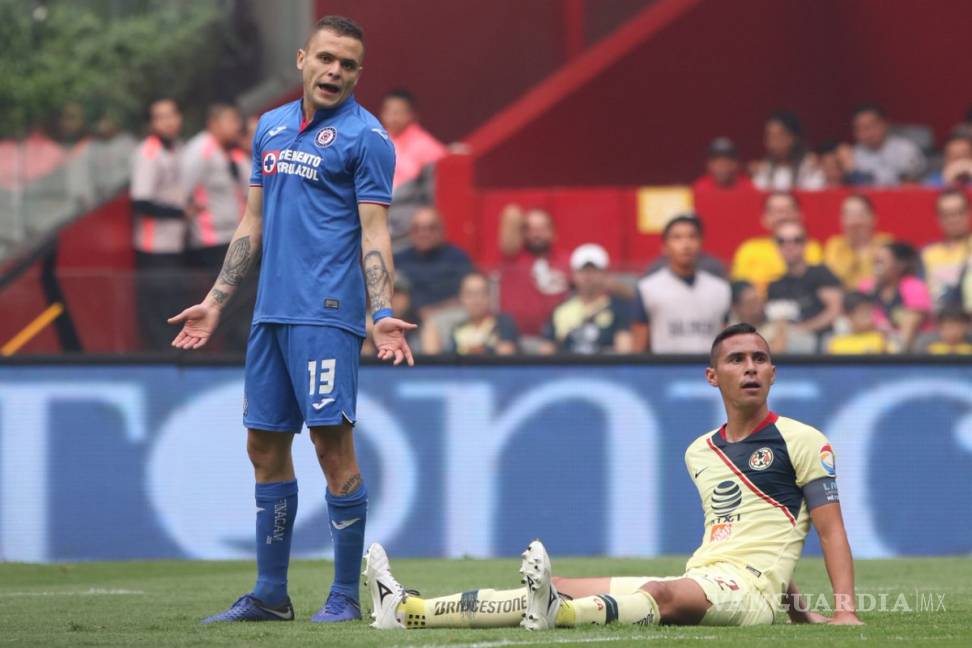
{"points": [[589, 254], [723, 147]]}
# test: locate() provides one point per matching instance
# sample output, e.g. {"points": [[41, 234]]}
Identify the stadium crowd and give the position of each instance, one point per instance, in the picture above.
{"points": [[857, 292]]}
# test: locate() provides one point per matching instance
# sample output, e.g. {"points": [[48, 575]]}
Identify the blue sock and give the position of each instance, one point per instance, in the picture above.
{"points": [[276, 510], [348, 514]]}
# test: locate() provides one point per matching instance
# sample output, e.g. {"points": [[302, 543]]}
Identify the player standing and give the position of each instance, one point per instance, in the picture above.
{"points": [[762, 479], [317, 211]]}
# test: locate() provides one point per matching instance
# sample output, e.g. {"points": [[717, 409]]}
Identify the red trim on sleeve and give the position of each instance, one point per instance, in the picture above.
{"points": [[771, 418], [256, 185], [749, 484]]}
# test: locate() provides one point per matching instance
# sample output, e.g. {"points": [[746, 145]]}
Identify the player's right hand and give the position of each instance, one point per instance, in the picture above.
{"points": [[198, 323]]}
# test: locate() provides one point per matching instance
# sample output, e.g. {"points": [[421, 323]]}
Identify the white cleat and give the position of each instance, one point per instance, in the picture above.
{"points": [[543, 601], [386, 593]]}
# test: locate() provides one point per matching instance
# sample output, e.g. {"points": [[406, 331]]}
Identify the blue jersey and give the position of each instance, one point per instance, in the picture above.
{"points": [[313, 177]]}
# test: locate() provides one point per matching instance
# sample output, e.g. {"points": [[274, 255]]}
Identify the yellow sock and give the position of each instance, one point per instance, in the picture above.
{"points": [[485, 608], [638, 608]]}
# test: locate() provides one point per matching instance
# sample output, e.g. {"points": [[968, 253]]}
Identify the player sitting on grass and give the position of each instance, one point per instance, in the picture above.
{"points": [[762, 479]]}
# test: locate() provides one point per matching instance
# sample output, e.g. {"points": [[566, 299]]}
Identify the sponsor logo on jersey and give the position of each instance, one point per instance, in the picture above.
{"points": [[726, 498], [761, 459], [276, 130], [326, 136], [270, 162], [720, 532], [828, 461]]}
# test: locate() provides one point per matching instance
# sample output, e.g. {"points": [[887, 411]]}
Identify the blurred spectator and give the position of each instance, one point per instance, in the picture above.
{"points": [[758, 260], [74, 180], [533, 274], [681, 307], [837, 164], [433, 266], [808, 297], [415, 148], [956, 161], [160, 227], [111, 155], [722, 168], [483, 332], [945, 261], [880, 157], [902, 299], [592, 320], [850, 255], [747, 305], [415, 153], [214, 172], [249, 133], [951, 338], [863, 336], [788, 164], [24, 161]]}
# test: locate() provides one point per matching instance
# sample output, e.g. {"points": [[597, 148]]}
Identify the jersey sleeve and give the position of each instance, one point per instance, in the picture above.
{"points": [[639, 311], [375, 167], [143, 176], [256, 168], [812, 456]]}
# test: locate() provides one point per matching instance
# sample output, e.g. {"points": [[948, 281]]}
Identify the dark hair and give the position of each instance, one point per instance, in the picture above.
{"points": [[152, 104], [952, 191], [217, 109], [787, 120], [906, 255], [953, 313], [772, 194], [403, 94], [869, 107], [339, 25], [827, 147], [958, 135], [855, 298], [691, 219], [731, 331], [862, 198], [737, 289]]}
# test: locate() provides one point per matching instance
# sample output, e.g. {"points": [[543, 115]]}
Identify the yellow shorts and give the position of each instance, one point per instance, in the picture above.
{"points": [[734, 597]]}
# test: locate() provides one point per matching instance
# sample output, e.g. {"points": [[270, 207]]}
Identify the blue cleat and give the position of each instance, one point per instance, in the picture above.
{"points": [[339, 607], [250, 608]]}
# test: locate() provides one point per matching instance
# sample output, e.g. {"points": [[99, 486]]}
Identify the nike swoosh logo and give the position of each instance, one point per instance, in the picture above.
{"points": [[276, 130], [700, 472], [322, 403], [287, 615], [345, 524]]}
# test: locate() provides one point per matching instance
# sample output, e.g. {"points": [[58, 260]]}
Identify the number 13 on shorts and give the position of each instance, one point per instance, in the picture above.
{"points": [[321, 376]]}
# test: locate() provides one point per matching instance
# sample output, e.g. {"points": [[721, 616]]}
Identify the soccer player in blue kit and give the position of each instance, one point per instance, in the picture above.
{"points": [[317, 213]]}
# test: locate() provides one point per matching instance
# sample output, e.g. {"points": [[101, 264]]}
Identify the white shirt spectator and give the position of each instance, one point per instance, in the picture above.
{"points": [[897, 158], [684, 315]]}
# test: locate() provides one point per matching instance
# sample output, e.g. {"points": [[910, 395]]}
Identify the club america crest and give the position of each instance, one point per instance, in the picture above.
{"points": [[326, 136], [761, 459]]}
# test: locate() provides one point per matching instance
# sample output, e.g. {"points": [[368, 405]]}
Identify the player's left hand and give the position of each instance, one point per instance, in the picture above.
{"points": [[389, 337], [845, 618]]}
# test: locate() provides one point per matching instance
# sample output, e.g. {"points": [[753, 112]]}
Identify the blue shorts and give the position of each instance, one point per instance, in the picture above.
{"points": [[300, 373]]}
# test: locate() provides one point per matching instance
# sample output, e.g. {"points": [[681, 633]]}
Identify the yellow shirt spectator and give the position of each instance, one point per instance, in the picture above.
{"points": [[852, 266], [943, 263], [858, 343], [758, 261]]}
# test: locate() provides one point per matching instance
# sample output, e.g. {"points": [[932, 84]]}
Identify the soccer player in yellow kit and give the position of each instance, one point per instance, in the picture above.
{"points": [[762, 478]]}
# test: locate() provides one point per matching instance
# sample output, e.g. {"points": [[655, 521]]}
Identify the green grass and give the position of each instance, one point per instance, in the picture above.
{"points": [[46, 605]]}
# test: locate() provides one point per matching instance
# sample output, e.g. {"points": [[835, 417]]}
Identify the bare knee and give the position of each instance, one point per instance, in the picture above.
{"points": [[680, 602], [269, 452]]}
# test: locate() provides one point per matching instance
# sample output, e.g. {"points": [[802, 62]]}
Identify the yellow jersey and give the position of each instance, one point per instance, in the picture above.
{"points": [[758, 261], [756, 495]]}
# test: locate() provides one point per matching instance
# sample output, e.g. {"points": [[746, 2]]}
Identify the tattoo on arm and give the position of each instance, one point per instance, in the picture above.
{"points": [[378, 280], [351, 485], [219, 296], [237, 262]]}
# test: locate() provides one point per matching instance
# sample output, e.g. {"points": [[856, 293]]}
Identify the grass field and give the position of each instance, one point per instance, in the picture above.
{"points": [[160, 604]]}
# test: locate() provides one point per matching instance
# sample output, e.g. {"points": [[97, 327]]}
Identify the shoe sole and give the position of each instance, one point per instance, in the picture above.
{"points": [[384, 616], [535, 574]]}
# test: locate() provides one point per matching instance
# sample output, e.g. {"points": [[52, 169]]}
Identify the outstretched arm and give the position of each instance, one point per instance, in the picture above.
{"points": [[379, 269], [829, 523], [199, 321]]}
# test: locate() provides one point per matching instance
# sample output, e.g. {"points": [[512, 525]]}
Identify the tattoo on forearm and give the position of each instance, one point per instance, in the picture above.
{"points": [[219, 296], [351, 485], [378, 280], [237, 263]]}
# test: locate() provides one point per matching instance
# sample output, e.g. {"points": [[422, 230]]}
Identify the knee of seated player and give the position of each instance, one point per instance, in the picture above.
{"points": [[269, 452], [680, 602]]}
